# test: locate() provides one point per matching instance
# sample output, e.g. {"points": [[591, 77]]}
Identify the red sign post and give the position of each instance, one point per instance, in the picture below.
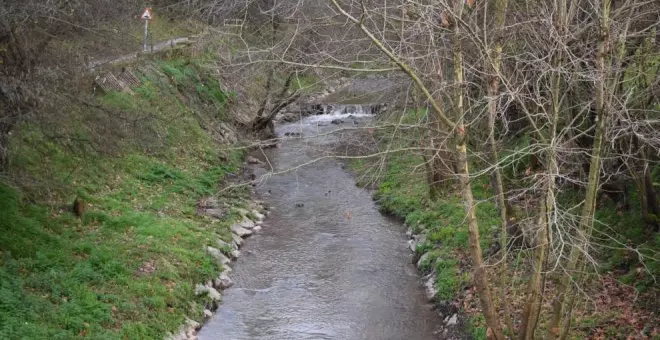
{"points": [[146, 16]]}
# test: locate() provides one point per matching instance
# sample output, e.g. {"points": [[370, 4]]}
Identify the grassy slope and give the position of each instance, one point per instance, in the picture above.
{"points": [[126, 269]]}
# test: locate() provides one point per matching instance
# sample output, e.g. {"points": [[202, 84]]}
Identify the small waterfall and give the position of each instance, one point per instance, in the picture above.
{"points": [[332, 111], [344, 109]]}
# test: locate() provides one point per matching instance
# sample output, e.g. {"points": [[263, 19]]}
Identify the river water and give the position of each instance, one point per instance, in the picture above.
{"points": [[327, 264]]}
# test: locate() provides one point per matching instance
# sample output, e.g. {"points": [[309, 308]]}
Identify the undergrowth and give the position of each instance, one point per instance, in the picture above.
{"points": [[624, 247]]}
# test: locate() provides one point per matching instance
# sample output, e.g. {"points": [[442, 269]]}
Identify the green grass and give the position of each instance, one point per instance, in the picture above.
{"points": [[615, 231], [127, 268], [628, 228], [189, 74], [69, 277], [477, 327]]}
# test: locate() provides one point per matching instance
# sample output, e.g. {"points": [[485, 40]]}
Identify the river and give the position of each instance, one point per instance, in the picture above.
{"points": [[327, 264]]}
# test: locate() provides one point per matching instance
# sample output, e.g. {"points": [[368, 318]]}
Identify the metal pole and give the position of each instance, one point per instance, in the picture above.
{"points": [[146, 34]]}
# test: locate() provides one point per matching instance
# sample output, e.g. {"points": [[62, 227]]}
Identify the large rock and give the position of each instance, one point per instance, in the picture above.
{"points": [[187, 332], [228, 133], [201, 289], [240, 231], [416, 240], [223, 281], [218, 255], [181, 335], [214, 294], [215, 213], [210, 291], [429, 286], [260, 217], [253, 160], [190, 323], [241, 211], [452, 321], [237, 240], [208, 203], [423, 259], [257, 205], [247, 224], [230, 250], [412, 245], [225, 245]]}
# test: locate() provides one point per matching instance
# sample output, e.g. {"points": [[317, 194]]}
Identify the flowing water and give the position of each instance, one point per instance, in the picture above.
{"points": [[327, 264]]}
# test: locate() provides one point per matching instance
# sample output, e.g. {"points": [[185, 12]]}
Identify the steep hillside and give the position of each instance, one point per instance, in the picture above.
{"points": [[140, 160]]}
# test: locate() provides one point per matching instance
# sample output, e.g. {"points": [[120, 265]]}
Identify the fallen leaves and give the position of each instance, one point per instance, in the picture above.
{"points": [[616, 311]]}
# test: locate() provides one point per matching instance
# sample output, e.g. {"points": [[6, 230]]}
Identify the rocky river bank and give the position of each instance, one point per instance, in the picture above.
{"points": [[250, 222]]}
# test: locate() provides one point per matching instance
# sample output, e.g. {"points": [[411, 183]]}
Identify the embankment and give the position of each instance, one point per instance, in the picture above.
{"points": [[145, 161]]}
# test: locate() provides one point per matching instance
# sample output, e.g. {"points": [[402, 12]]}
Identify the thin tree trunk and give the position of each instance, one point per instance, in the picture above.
{"points": [[480, 276], [545, 221], [440, 170], [481, 280], [589, 207], [650, 198], [433, 193], [496, 176], [547, 209], [493, 91], [265, 115]]}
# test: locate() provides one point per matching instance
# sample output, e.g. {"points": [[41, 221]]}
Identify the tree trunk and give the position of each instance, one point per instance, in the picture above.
{"points": [[481, 280], [545, 220], [4, 150], [434, 193], [650, 198], [537, 284], [589, 207], [268, 111], [493, 90]]}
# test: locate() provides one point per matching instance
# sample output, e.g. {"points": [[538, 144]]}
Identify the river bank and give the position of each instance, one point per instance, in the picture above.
{"points": [[435, 231], [139, 164], [249, 216]]}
